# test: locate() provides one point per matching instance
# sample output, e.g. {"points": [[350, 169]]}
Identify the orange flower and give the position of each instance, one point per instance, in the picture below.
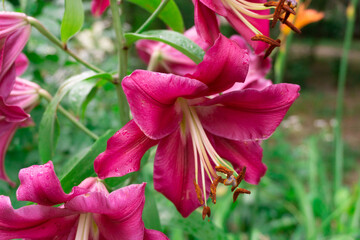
{"points": [[303, 17]]}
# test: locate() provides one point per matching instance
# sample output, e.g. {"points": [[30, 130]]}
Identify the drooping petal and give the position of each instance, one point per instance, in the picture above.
{"points": [[206, 23], [152, 99], [118, 215], [98, 7], [174, 172], [7, 80], [228, 63], [7, 131], [34, 222], [249, 114], [154, 235], [21, 64], [40, 184], [123, 152], [240, 154], [12, 113]]}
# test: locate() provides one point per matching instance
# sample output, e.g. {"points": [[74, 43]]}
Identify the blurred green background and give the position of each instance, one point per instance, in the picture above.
{"points": [[295, 200]]}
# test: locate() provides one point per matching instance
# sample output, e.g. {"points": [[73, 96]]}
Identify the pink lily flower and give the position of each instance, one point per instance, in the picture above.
{"points": [[88, 212], [14, 110], [14, 34], [161, 57], [98, 7], [250, 18], [196, 133]]}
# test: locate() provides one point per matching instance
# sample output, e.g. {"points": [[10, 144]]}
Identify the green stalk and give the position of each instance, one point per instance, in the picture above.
{"points": [[157, 11], [339, 147], [280, 63], [69, 116], [35, 23], [123, 58]]}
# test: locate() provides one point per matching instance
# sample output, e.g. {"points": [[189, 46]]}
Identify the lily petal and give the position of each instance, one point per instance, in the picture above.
{"points": [[40, 184], [98, 7], [174, 172], [228, 63], [12, 113], [241, 154], [118, 215], [7, 80], [206, 22], [123, 152], [249, 114], [7, 131], [21, 64], [34, 222], [152, 99]]}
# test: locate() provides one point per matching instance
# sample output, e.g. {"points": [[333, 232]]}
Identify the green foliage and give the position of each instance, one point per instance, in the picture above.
{"points": [[174, 39], [73, 19], [170, 15]]}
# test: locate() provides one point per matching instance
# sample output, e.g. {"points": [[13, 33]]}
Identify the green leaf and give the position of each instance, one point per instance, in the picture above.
{"points": [[84, 167], [150, 214], [73, 19], [49, 130], [174, 39], [170, 15]]}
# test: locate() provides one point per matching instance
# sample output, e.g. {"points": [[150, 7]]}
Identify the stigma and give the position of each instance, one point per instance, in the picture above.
{"points": [[209, 166], [244, 9]]}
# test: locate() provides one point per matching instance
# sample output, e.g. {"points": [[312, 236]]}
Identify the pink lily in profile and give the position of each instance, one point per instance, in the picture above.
{"points": [[250, 18], [88, 212], [98, 7], [196, 133], [161, 57], [14, 34], [14, 110]]}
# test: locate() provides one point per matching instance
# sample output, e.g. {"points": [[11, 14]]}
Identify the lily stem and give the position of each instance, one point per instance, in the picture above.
{"points": [[152, 17], [38, 25], [123, 58], [69, 116], [339, 145]]}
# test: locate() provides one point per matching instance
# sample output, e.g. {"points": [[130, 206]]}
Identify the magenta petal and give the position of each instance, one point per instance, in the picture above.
{"points": [[7, 80], [249, 114], [98, 7], [206, 23], [7, 131], [152, 99], [123, 152], [174, 172], [216, 6], [40, 184], [12, 113], [154, 235], [34, 222], [241, 154], [118, 215], [21, 64], [228, 63]]}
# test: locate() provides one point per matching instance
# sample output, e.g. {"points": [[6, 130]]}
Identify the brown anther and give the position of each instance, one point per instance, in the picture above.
{"points": [[271, 48], [285, 18], [290, 25], [238, 191], [206, 211], [289, 10], [224, 170], [265, 39], [277, 12], [198, 193], [213, 187], [285, 7], [239, 178]]}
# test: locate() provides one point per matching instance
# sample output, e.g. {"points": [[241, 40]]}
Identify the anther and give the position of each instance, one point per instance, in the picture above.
{"points": [[265, 39], [213, 187], [238, 191], [224, 170], [271, 48], [287, 8], [277, 12], [206, 212], [239, 178], [198, 193], [290, 25]]}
